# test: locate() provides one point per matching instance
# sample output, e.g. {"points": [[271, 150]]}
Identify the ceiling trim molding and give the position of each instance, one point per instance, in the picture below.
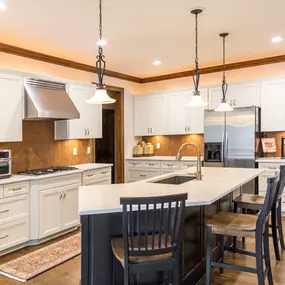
{"points": [[5, 48], [62, 62], [218, 68]]}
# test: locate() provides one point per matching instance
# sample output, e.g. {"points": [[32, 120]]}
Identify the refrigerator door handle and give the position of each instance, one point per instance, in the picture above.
{"points": [[222, 152], [226, 150]]}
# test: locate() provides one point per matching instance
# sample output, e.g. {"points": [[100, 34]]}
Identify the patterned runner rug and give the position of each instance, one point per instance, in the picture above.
{"points": [[39, 261]]}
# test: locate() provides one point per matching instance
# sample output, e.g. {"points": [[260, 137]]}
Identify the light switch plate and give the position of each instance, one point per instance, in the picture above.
{"points": [[88, 149], [74, 151], [158, 145]]}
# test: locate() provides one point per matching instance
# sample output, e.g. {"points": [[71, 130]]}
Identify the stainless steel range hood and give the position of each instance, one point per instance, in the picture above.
{"points": [[48, 101]]}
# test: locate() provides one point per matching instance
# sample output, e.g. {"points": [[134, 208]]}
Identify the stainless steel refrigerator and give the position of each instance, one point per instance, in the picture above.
{"points": [[232, 139]]}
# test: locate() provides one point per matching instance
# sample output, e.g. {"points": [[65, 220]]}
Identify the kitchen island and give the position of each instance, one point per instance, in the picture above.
{"points": [[100, 211]]}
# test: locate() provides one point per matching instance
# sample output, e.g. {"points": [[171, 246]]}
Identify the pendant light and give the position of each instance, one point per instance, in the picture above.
{"points": [[224, 106], [100, 96], [196, 99]]}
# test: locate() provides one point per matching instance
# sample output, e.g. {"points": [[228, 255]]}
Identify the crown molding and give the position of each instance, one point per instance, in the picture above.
{"points": [[62, 62], [92, 69]]}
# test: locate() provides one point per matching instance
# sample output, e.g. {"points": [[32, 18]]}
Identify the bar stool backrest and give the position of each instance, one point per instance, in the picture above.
{"points": [[281, 182], [152, 225], [270, 198]]}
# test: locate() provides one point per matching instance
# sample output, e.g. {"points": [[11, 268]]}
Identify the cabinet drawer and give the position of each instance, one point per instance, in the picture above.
{"points": [[170, 165], [271, 166], [90, 175], [15, 189], [135, 164], [104, 172], [14, 208], [1, 191], [187, 164], [135, 175], [152, 164], [58, 181], [14, 233]]}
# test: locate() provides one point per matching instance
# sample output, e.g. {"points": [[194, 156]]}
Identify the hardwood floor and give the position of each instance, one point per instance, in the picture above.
{"points": [[68, 273]]}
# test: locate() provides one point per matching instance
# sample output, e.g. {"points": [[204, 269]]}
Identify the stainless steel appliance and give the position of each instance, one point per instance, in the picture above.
{"points": [[234, 137], [5, 164], [47, 100], [45, 171]]}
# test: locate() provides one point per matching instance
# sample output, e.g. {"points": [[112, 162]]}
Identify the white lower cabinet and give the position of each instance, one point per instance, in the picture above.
{"points": [[49, 212], [140, 169], [58, 210]]}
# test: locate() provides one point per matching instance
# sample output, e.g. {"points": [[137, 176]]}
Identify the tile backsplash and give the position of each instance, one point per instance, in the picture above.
{"points": [[169, 145], [39, 149]]}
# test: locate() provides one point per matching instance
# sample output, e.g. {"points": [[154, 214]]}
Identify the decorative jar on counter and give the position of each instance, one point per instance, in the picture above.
{"points": [[148, 150], [137, 151]]}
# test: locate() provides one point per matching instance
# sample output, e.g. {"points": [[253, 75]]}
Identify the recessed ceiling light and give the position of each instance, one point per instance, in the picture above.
{"points": [[277, 39], [3, 5], [101, 42], [157, 62]]}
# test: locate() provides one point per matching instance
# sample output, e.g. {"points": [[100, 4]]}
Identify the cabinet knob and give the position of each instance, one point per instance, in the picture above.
{"points": [[143, 175], [88, 132], [85, 132], [60, 196], [234, 102], [188, 129], [64, 195], [231, 102], [151, 130], [185, 128]]}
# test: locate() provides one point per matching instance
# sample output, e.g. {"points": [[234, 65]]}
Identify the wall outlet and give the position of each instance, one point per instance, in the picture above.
{"points": [[74, 151], [89, 149], [158, 145]]}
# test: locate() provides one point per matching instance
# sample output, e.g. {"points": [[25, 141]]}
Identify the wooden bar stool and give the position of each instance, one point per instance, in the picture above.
{"points": [[244, 225], [152, 233], [255, 202]]}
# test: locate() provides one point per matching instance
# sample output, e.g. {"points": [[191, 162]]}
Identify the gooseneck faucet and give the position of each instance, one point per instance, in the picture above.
{"points": [[199, 162]]}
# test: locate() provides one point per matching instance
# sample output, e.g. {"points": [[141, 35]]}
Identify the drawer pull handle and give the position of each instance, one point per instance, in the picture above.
{"points": [[151, 164], [4, 211], [4, 237], [90, 175], [134, 164], [16, 189], [105, 172], [271, 167], [170, 164], [64, 195], [143, 175]]}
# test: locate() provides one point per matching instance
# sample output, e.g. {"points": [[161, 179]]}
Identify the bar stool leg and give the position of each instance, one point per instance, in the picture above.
{"points": [[280, 226], [259, 259], [267, 255], [209, 255], [274, 233], [222, 249], [235, 238], [175, 275], [244, 211]]}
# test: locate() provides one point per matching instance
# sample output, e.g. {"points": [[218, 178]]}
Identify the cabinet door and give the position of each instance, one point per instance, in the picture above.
{"points": [[12, 108], [197, 115], [70, 217], [272, 106], [90, 123], [178, 114], [245, 95], [49, 212], [150, 115]]}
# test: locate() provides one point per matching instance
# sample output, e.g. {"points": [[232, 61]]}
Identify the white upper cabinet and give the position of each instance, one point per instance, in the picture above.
{"points": [[238, 95], [179, 119], [244, 95], [12, 108], [90, 123], [150, 115], [272, 105], [197, 114]]}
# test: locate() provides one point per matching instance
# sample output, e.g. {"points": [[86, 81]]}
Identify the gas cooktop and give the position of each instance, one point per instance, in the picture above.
{"points": [[44, 171]]}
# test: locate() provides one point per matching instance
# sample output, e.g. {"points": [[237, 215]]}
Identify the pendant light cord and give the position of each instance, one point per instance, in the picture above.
{"points": [[196, 74], [224, 82], [100, 63]]}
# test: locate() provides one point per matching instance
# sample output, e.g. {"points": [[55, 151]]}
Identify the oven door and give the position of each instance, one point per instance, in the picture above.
{"points": [[5, 168]]}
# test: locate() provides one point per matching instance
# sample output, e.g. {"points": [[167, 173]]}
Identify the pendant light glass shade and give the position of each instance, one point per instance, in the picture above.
{"points": [[224, 107], [101, 97], [197, 101]]}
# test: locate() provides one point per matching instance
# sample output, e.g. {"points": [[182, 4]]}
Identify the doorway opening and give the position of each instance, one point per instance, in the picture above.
{"points": [[110, 148]]}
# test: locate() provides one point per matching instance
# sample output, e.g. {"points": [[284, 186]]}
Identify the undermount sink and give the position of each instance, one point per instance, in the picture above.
{"points": [[175, 180]]}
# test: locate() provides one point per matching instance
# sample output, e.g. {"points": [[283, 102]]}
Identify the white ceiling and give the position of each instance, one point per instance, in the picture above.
{"points": [[139, 32]]}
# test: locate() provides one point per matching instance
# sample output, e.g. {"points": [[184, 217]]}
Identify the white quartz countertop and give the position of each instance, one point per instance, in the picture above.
{"points": [[167, 158], [217, 182], [81, 167], [271, 160]]}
